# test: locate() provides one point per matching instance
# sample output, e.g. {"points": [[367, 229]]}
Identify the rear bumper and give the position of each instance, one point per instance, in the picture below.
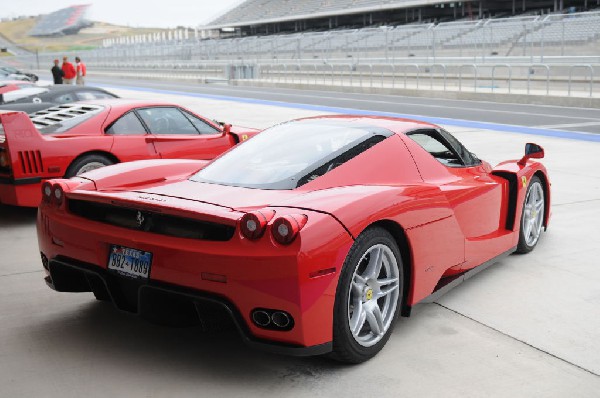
{"points": [[21, 191], [299, 279], [70, 275]]}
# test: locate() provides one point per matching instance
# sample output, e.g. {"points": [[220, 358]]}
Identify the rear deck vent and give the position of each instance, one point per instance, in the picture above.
{"points": [[149, 221]]}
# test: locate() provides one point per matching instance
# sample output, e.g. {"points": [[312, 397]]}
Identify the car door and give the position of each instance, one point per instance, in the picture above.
{"points": [[130, 138], [476, 196], [176, 133]]}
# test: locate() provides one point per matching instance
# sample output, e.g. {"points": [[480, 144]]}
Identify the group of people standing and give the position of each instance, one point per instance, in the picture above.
{"points": [[67, 73]]}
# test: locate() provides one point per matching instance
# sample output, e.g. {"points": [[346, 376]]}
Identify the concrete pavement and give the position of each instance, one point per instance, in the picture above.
{"points": [[528, 326]]}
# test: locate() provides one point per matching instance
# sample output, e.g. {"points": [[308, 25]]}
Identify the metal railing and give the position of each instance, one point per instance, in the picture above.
{"points": [[582, 80]]}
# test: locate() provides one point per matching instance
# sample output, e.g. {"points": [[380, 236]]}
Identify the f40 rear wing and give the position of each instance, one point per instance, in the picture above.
{"points": [[19, 145]]}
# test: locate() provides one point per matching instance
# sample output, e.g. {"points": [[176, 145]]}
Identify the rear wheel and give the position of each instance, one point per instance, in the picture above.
{"points": [[368, 298], [87, 163], [532, 218]]}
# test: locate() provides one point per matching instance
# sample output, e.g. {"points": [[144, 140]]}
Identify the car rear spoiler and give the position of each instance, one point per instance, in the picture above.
{"points": [[21, 140]]}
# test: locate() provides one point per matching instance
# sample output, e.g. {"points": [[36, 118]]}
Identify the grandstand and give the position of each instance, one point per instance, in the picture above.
{"points": [[66, 21], [253, 17], [572, 28], [529, 35]]}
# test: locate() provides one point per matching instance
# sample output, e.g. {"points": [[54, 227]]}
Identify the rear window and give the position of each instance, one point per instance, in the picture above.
{"points": [[60, 119], [291, 154]]}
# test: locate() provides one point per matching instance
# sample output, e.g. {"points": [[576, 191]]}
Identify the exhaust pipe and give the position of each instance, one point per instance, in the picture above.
{"points": [[280, 319], [261, 318]]}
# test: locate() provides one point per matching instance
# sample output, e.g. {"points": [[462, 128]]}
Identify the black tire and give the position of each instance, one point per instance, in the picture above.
{"points": [[535, 185], [81, 163], [345, 347]]}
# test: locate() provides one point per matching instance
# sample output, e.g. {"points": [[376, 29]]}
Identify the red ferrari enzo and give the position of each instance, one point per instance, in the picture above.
{"points": [[313, 236], [70, 139]]}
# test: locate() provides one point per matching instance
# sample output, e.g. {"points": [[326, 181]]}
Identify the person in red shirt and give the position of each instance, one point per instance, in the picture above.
{"points": [[69, 71], [81, 71]]}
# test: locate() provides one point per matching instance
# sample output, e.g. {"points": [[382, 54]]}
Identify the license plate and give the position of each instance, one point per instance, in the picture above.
{"points": [[130, 262]]}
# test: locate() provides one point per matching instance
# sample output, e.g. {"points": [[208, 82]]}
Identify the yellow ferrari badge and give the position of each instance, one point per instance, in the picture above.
{"points": [[369, 294], [244, 137], [524, 181]]}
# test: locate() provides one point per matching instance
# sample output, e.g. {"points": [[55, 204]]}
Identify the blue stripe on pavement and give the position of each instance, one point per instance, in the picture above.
{"points": [[573, 135]]}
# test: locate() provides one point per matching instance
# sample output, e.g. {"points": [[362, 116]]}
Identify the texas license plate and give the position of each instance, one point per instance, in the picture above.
{"points": [[130, 262]]}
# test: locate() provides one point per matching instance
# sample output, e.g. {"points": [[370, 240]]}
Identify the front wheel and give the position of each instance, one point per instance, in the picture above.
{"points": [[368, 298], [532, 218]]}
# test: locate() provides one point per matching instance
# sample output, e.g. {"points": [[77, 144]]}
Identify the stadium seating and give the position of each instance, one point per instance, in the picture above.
{"points": [[487, 37], [65, 21], [497, 31], [264, 10], [555, 29]]}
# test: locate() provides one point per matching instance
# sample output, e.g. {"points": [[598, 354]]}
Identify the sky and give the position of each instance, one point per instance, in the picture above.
{"points": [[135, 13]]}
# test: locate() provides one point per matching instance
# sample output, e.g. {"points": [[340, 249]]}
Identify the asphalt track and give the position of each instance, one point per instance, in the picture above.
{"points": [[554, 121]]}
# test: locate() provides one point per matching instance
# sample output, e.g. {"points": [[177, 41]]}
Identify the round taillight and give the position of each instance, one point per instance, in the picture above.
{"points": [[58, 194], [286, 228], [46, 192], [253, 224]]}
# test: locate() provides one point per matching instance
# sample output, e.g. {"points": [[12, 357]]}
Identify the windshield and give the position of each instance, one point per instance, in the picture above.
{"points": [[291, 154]]}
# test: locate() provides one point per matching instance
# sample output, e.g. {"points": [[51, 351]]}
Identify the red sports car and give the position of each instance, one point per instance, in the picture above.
{"points": [[69, 139], [313, 236]]}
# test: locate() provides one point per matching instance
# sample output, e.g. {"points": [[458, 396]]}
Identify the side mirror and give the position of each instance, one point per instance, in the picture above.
{"points": [[532, 151], [227, 128]]}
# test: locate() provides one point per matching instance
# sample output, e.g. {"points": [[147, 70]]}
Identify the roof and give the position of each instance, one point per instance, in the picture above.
{"points": [[119, 103], [394, 124], [254, 12]]}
